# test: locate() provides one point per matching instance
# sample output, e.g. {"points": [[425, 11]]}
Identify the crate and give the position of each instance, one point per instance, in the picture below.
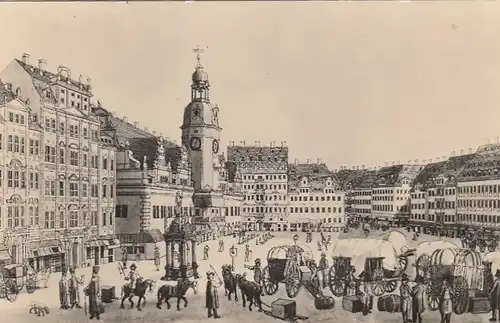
{"points": [[479, 305], [108, 293], [352, 304], [306, 273], [284, 308]]}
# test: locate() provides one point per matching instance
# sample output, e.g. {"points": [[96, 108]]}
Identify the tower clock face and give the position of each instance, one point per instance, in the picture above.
{"points": [[215, 146], [195, 143]]}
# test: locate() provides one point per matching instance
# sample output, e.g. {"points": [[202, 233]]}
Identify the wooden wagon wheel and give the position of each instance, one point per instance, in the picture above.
{"points": [[403, 262], [270, 286], [3, 291], [30, 285], [390, 285], [293, 280], [461, 299], [432, 297], [378, 284], [424, 266], [493, 245], [12, 290], [337, 285]]}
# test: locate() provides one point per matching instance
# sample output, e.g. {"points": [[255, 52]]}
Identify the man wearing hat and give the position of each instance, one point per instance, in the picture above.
{"points": [[205, 252], [63, 291], [418, 300], [212, 295], [257, 275], [445, 300], [74, 289], [495, 296], [93, 292], [132, 277], [322, 268], [405, 292]]}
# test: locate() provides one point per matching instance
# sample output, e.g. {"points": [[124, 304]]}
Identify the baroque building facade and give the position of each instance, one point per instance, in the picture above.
{"points": [[153, 173], [69, 218]]}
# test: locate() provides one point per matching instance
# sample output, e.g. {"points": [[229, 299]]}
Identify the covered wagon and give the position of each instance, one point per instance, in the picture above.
{"points": [[283, 266], [381, 263], [465, 272], [491, 263], [424, 252]]}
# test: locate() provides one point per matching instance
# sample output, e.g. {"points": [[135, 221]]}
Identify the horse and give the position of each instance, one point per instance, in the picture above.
{"points": [[229, 279], [140, 291], [166, 292], [249, 290]]}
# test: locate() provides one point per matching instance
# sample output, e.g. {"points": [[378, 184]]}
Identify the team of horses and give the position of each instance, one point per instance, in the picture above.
{"points": [[250, 290]]}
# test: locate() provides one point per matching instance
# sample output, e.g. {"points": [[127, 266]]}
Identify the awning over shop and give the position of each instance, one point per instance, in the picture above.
{"points": [[113, 243], [44, 252], [146, 236]]}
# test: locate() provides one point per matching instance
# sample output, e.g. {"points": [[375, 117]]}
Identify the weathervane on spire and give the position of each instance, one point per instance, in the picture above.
{"points": [[198, 51]]}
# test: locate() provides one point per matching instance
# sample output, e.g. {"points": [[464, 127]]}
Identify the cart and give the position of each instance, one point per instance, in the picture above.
{"points": [[15, 277], [424, 252], [467, 277], [283, 266], [382, 266]]}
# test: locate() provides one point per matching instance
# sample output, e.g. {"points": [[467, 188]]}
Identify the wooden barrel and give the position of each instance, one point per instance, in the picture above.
{"points": [[324, 303]]}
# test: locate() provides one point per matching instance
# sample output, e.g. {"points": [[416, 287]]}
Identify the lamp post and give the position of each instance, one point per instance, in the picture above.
{"points": [[233, 252]]}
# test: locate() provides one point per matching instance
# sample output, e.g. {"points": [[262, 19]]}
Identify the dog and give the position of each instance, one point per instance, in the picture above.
{"points": [[39, 309]]}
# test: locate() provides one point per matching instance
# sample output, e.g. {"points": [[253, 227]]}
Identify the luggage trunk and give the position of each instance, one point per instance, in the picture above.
{"points": [[478, 305]]}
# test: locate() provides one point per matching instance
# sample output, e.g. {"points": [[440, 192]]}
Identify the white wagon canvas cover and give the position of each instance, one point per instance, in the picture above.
{"points": [[359, 249], [398, 240], [428, 247]]}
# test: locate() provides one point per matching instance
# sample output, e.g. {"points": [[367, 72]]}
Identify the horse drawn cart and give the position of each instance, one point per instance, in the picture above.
{"points": [[283, 266], [14, 278], [464, 269], [381, 264], [483, 240], [424, 252]]}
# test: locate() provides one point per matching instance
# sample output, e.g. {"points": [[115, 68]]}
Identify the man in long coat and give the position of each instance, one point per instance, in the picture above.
{"points": [[74, 289], [93, 292], [322, 270], [445, 300], [495, 296], [212, 296], [157, 258], [405, 292], [418, 300], [63, 291]]}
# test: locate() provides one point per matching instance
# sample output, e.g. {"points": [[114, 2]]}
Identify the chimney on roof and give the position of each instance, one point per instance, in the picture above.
{"points": [[125, 119], [444, 157], [416, 161], [461, 151], [26, 58], [296, 161], [320, 161], [146, 129], [41, 65], [136, 124], [161, 134], [437, 159], [283, 144], [430, 160], [308, 162], [452, 154], [488, 141], [470, 150], [399, 162], [497, 140], [393, 163], [154, 133], [257, 143], [362, 166]]}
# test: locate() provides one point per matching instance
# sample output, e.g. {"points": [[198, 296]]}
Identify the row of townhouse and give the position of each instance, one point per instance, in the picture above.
{"points": [[57, 171]]}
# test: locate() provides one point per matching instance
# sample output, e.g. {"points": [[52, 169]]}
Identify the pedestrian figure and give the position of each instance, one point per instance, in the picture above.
{"points": [[445, 300], [124, 257], [74, 288], [248, 253], [93, 292], [319, 246], [322, 270], [405, 292], [418, 300], [257, 275], [221, 245], [137, 254], [157, 258], [212, 295], [205, 252], [63, 291], [495, 297]]}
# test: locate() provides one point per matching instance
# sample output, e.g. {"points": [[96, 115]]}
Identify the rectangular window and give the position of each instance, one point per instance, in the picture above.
{"points": [[104, 163], [61, 188], [62, 220], [111, 191], [84, 160], [50, 154], [121, 211], [73, 189], [112, 164], [104, 190], [93, 218], [61, 156], [50, 188], [73, 160], [73, 219], [84, 190], [104, 218], [49, 220]]}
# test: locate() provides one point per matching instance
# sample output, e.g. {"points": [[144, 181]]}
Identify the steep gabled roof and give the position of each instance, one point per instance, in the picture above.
{"points": [[316, 173], [388, 176], [484, 165], [428, 173]]}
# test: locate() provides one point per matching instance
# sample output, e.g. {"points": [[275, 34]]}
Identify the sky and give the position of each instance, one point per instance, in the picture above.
{"points": [[352, 83]]}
